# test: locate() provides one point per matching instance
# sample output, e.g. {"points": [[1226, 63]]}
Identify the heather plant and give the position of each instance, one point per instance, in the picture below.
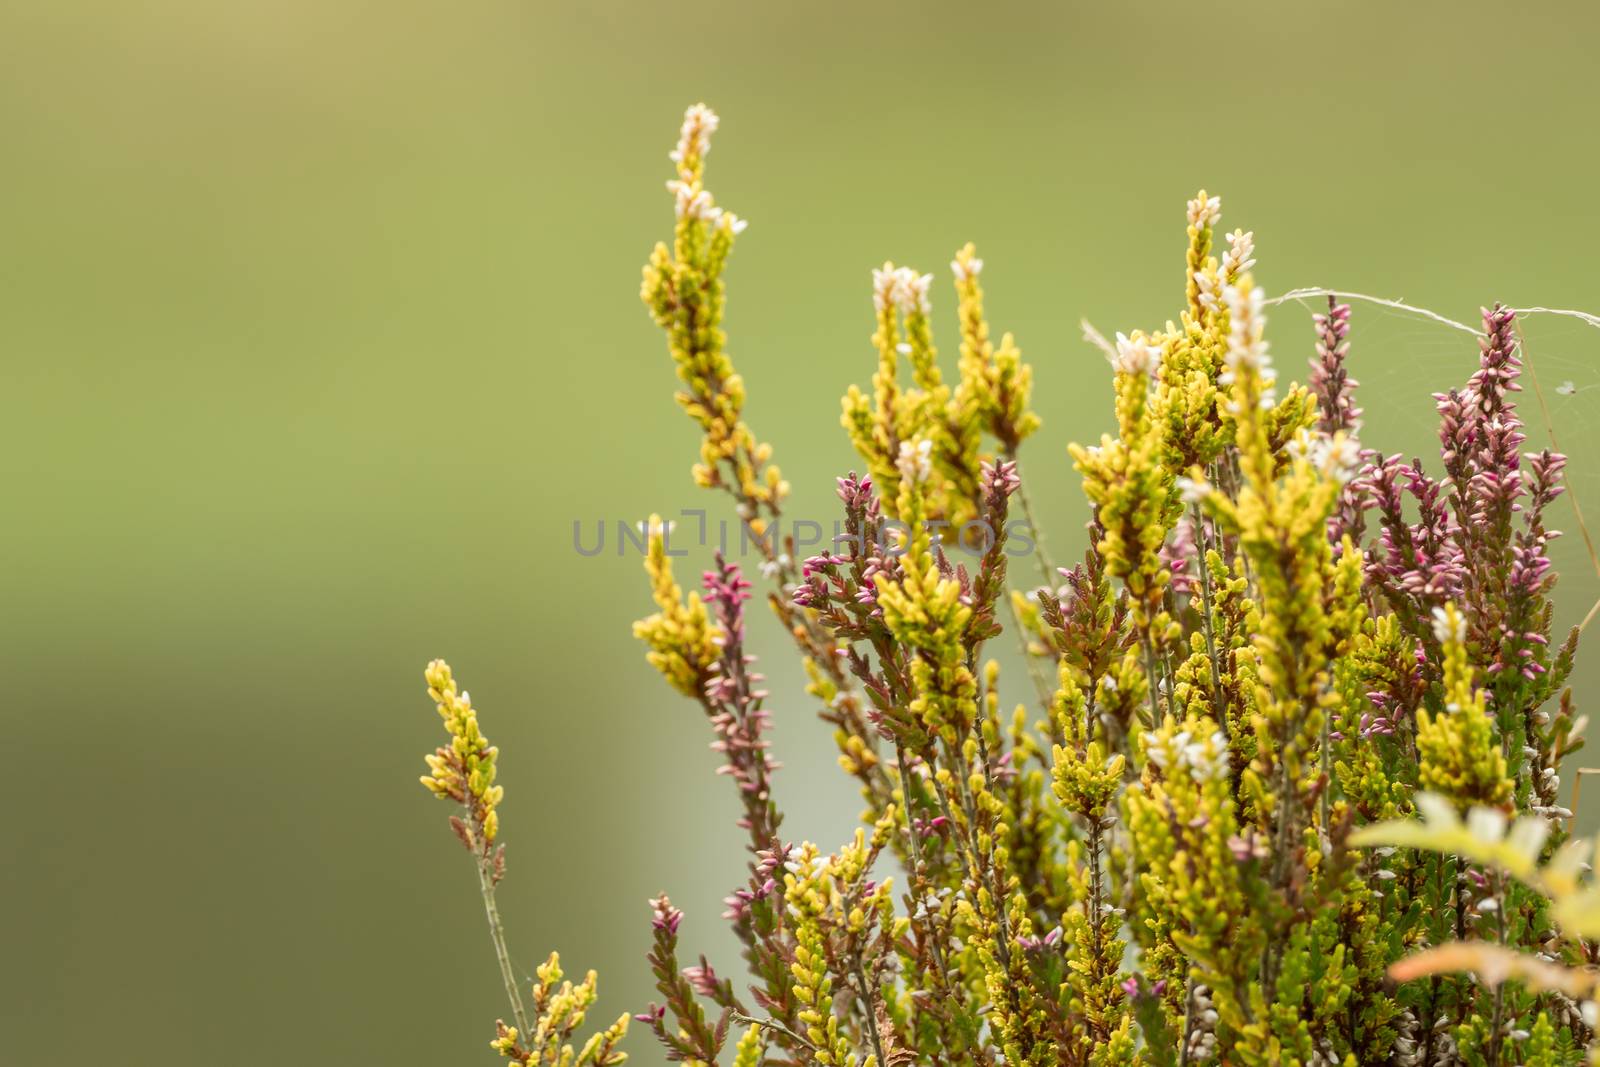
{"points": [[1283, 784]]}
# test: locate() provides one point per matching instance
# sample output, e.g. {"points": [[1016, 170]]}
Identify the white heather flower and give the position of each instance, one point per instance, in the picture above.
{"points": [[1208, 759], [693, 202], [1205, 212], [913, 291], [1305, 444], [1167, 754], [1449, 625], [916, 460], [966, 270], [1339, 457], [1342, 457], [882, 287], [694, 139], [1136, 355], [901, 287], [1246, 345], [1240, 256], [1192, 490], [1206, 282]]}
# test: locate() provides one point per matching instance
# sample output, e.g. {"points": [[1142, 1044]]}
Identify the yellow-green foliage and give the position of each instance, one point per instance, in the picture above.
{"points": [[682, 640], [991, 395], [1194, 842], [1458, 753]]}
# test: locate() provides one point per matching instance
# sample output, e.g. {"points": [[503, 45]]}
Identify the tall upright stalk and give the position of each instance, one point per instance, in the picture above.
{"points": [[497, 934]]}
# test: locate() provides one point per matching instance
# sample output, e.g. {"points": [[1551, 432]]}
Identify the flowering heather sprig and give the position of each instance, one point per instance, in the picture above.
{"points": [[1199, 270], [464, 769], [999, 480], [1530, 574], [684, 643], [995, 384], [1131, 494], [948, 424], [1330, 379], [683, 289], [692, 1037], [736, 710], [1417, 564], [924, 615], [1459, 758], [464, 772], [1240, 256], [559, 1008], [1330, 383], [1250, 371]]}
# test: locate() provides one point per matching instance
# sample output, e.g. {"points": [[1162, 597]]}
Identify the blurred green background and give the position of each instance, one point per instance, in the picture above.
{"points": [[320, 328]]}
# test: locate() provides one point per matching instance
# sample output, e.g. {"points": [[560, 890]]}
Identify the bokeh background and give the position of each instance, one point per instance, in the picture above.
{"points": [[320, 329]]}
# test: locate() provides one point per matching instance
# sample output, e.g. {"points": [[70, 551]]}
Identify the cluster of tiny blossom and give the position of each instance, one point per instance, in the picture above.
{"points": [[1240, 256], [1247, 347], [1205, 210], [901, 288], [1136, 355]]}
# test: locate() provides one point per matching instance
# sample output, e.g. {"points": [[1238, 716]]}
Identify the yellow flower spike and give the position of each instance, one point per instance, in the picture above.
{"points": [[464, 770], [995, 383], [683, 289], [1130, 491], [923, 611], [1460, 758], [1204, 213], [747, 1053], [683, 642]]}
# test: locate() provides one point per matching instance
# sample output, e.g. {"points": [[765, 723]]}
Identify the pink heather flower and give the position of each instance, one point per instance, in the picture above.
{"points": [[1422, 559], [1330, 382], [1179, 555], [703, 977], [999, 479], [665, 916]]}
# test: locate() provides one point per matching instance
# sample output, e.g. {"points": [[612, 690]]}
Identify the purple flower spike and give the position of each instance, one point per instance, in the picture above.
{"points": [[1330, 382]]}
